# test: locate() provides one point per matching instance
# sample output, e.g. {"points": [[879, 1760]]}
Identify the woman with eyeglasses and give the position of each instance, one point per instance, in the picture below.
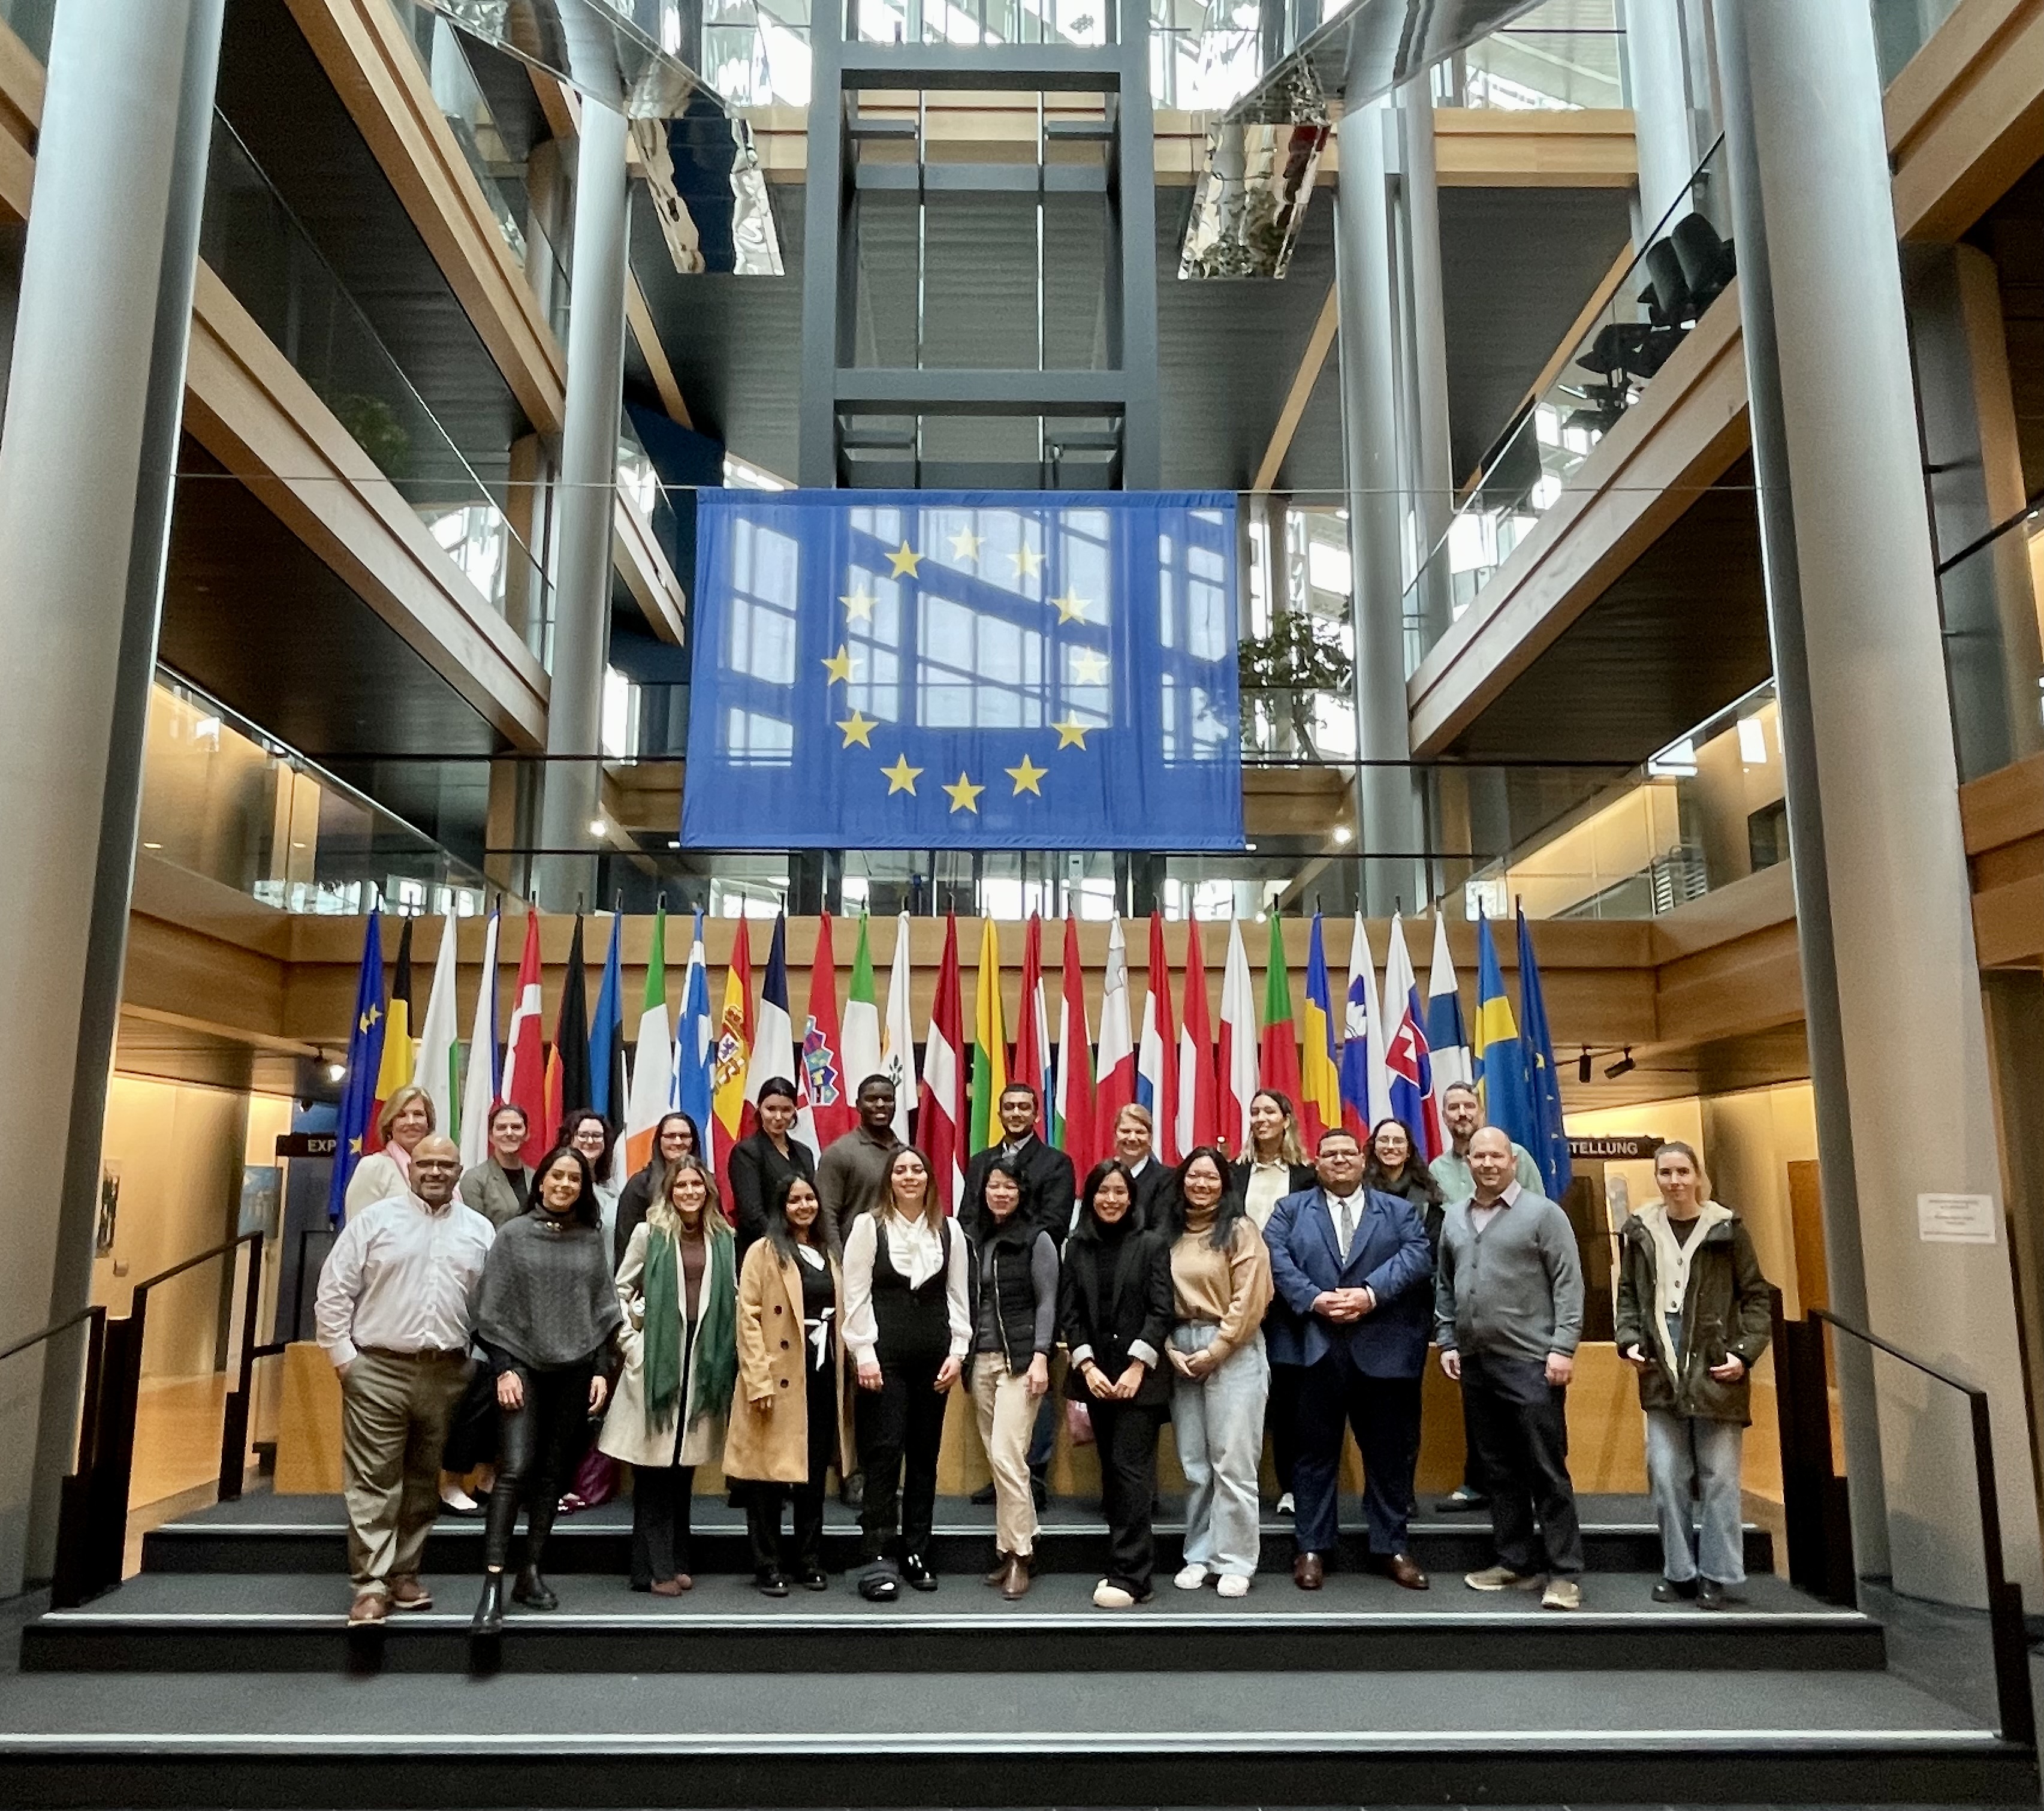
{"points": [[675, 1137]]}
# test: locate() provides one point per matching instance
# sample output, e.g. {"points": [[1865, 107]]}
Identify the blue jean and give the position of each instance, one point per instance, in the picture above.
{"points": [[1680, 1450], [1220, 1424]]}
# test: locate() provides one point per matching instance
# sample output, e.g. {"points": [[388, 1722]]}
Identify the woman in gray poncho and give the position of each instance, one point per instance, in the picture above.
{"points": [[548, 1320]]}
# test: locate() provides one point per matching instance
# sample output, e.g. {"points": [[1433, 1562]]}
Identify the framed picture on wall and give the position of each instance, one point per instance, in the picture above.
{"points": [[262, 1201], [109, 1208]]}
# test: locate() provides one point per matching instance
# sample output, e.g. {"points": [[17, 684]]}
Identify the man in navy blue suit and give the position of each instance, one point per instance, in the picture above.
{"points": [[1354, 1267]]}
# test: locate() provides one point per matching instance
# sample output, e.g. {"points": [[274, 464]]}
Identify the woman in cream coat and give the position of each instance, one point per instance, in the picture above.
{"points": [[789, 1421], [679, 1289]]}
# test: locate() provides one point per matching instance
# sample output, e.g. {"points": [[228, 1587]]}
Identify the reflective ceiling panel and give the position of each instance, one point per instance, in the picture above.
{"points": [[620, 55]]}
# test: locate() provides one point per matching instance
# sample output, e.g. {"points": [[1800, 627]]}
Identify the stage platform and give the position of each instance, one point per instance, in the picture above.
{"points": [[225, 1675]]}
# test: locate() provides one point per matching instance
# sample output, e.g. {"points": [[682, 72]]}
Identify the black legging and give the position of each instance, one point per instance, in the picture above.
{"points": [[542, 1443], [901, 1424], [764, 1502]]}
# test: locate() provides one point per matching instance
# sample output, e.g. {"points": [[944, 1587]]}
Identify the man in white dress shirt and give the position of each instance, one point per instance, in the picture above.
{"points": [[395, 1312]]}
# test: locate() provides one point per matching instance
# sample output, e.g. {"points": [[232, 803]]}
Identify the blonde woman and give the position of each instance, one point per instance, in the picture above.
{"points": [[678, 1286], [386, 1175], [908, 1323], [789, 1422], [1693, 1318]]}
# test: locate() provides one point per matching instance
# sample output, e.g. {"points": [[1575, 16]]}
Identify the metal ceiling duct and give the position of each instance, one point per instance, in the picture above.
{"points": [[714, 208], [1263, 151]]}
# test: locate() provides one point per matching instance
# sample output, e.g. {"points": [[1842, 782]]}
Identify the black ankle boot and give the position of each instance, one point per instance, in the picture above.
{"points": [[533, 1591], [489, 1611]]}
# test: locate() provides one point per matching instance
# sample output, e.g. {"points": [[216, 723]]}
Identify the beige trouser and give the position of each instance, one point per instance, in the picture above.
{"points": [[1007, 1413], [394, 1412]]}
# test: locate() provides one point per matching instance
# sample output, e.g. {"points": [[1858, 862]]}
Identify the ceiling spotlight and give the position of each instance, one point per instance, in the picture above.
{"points": [[1342, 833], [336, 1071], [1583, 1065], [596, 826], [1624, 1065]]}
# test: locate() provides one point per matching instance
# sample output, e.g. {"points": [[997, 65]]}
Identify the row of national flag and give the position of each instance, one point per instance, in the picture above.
{"points": [[1376, 1052]]}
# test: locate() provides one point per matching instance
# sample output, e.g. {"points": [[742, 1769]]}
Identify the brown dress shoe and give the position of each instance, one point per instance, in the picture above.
{"points": [[1404, 1570], [673, 1587], [408, 1594], [1017, 1583], [1308, 1573], [369, 1607], [999, 1574]]}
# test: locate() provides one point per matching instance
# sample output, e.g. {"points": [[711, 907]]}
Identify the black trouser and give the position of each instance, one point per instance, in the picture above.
{"points": [[1281, 1423], [541, 1442], [661, 1499], [764, 1502], [901, 1426], [1385, 1413], [1520, 1424], [1125, 1436], [1473, 1481]]}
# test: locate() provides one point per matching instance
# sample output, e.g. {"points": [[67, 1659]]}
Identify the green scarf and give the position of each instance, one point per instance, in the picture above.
{"points": [[716, 1328]]}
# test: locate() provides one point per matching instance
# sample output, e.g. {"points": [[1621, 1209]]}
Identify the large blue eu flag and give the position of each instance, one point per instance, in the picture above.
{"points": [[918, 669]]}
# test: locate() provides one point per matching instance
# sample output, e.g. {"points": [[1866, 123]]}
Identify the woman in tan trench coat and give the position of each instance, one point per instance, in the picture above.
{"points": [[789, 1419]]}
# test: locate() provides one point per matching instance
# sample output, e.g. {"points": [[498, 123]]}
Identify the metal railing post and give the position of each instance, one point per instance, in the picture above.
{"points": [[234, 1409]]}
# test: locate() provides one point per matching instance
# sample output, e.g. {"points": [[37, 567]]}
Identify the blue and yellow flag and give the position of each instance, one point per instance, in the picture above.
{"points": [[919, 669], [365, 1058], [1501, 1079], [1319, 1081], [1550, 1142]]}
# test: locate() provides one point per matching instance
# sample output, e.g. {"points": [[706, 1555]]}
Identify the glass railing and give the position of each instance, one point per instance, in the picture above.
{"points": [[966, 22], [1566, 55], [503, 177], [222, 798], [1686, 263], [30, 21], [1902, 27], [755, 54], [1989, 595], [257, 247]]}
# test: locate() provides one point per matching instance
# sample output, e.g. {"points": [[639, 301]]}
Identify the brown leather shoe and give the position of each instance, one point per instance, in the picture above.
{"points": [[1308, 1573], [999, 1574], [1404, 1570], [408, 1594], [1017, 1583], [368, 1609]]}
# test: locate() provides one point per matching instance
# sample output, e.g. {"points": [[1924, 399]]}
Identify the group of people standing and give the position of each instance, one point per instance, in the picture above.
{"points": [[821, 1319]]}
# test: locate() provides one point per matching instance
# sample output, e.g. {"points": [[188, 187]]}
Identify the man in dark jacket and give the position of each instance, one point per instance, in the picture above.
{"points": [[1353, 1266]]}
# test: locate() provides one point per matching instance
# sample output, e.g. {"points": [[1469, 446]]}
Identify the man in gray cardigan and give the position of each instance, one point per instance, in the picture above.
{"points": [[1507, 1313]]}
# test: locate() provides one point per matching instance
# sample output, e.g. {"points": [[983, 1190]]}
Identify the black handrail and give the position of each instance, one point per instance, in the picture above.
{"points": [[1824, 1523], [76, 1490], [51, 1331]]}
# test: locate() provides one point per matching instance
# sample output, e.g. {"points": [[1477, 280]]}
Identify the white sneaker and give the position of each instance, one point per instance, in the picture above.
{"points": [[1190, 1577], [1233, 1585], [1108, 1595], [1286, 1505]]}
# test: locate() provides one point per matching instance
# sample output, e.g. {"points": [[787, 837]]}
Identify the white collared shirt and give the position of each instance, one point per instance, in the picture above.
{"points": [[1348, 1206], [916, 1249], [1480, 1216], [403, 1278]]}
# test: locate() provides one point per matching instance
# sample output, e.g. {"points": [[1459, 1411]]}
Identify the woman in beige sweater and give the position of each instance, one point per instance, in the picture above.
{"points": [[1220, 1284]]}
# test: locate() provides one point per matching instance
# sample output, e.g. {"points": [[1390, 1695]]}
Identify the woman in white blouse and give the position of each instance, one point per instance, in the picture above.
{"points": [[909, 1326]]}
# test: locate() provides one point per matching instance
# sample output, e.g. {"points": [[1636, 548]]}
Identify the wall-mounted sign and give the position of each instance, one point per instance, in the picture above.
{"points": [[306, 1145], [1955, 1219], [1627, 1150]]}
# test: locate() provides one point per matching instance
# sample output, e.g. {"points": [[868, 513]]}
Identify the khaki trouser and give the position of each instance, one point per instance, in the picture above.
{"points": [[1006, 1412], [395, 1408]]}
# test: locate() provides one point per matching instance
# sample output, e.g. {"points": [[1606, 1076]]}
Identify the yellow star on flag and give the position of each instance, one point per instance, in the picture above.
{"points": [[355, 1148], [1026, 778], [839, 665], [1089, 668], [1028, 562], [858, 605], [369, 1019], [1072, 735], [900, 777], [964, 794], [903, 561], [1071, 608], [964, 544], [859, 729]]}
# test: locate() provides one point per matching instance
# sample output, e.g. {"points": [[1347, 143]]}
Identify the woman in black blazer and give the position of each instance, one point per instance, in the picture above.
{"points": [[763, 1163], [1274, 1167], [1115, 1313]]}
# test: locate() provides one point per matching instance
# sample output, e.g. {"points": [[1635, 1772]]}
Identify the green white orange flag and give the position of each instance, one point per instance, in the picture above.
{"points": [[861, 1034], [653, 1056]]}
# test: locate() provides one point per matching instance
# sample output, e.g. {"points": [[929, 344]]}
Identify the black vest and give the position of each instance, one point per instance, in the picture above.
{"points": [[1013, 1300], [912, 1323]]}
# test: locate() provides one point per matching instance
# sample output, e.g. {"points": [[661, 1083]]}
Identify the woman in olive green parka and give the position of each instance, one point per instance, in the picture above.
{"points": [[1693, 1318]]}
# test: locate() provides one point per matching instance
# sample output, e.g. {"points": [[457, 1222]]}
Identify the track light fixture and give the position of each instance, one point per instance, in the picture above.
{"points": [[1624, 1065], [1583, 1065]]}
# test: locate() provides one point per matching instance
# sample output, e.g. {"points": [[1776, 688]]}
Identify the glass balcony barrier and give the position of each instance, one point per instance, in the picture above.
{"points": [[756, 54], [30, 21], [1989, 593], [223, 799], [1564, 55], [1688, 261], [523, 196], [1902, 27], [252, 241], [1069, 22]]}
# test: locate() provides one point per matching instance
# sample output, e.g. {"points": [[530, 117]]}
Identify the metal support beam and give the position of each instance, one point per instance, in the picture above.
{"points": [[881, 392]]}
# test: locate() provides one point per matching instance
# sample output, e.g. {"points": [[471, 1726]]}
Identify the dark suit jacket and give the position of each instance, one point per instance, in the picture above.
{"points": [[1140, 1284], [1389, 1255], [1048, 1191], [1153, 1188], [756, 1170]]}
